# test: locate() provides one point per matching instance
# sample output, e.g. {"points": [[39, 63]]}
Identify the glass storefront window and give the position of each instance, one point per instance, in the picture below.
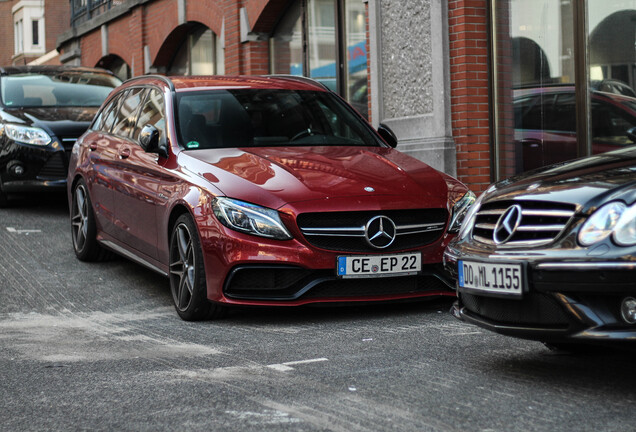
{"points": [[542, 115], [612, 36], [321, 41], [286, 44], [535, 84], [198, 55], [305, 42], [356, 56]]}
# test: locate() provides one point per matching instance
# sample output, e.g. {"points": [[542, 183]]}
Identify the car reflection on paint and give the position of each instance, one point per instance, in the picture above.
{"points": [[259, 191], [551, 255]]}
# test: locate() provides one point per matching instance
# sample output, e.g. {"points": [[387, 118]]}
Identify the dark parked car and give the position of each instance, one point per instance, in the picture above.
{"points": [[545, 124], [259, 191], [43, 110], [551, 255]]}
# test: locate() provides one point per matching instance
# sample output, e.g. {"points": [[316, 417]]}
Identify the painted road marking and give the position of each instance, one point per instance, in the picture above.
{"points": [[23, 231], [285, 367]]}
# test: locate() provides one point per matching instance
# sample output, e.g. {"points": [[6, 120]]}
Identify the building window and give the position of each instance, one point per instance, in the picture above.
{"points": [[562, 86], [19, 37], [305, 42], [35, 32], [200, 54]]}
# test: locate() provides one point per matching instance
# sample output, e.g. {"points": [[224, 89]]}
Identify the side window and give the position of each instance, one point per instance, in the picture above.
{"points": [[104, 120], [125, 120], [608, 122], [152, 113]]}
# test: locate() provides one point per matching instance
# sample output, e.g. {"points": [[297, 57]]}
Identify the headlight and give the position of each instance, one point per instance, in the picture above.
{"points": [[469, 218], [27, 135], [601, 224], [250, 218], [625, 230], [459, 210]]}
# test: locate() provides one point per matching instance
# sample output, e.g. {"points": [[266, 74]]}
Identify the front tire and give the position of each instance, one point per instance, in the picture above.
{"points": [[187, 273], [83, 227]]}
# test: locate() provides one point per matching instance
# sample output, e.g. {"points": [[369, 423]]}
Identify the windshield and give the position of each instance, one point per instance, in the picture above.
{"points": [[268, 118], [67, 88]]}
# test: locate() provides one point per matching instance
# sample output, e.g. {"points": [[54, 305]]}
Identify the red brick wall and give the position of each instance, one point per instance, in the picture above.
{"points": [[57, 20], [6, 33], [469, 90]]}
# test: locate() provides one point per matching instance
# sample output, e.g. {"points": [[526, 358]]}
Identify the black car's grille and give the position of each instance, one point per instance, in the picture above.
{"points": [[54, 168], [536, 309], [345, 231], [285, 283], [541, 222]]}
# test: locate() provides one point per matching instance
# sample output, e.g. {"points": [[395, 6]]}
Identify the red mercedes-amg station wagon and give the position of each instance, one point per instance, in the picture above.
{"points": [[259, 191]]}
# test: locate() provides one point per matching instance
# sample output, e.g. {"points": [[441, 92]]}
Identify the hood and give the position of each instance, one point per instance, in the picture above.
{"points": [[585, 182], [58, 121], [344, 176]]}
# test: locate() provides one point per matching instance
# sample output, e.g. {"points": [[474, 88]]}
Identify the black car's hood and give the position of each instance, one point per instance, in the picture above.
{"points": [[59, 121], [586, 182]]}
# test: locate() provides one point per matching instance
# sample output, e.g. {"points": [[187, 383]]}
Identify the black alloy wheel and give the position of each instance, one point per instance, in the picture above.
{"points": [[83, 228], [187, 273]]}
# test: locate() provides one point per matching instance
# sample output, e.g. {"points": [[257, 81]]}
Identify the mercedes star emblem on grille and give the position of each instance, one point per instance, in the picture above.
{"points": [[380, 232], [507, 224]]}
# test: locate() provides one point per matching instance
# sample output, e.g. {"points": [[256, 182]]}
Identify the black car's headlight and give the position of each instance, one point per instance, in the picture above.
{"points": [[250, 218], [27, 135], [613, 219], [469, 218], [459, 211]]}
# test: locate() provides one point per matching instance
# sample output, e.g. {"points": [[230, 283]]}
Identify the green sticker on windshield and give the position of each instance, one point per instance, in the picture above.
{"points": [[192, 145]]}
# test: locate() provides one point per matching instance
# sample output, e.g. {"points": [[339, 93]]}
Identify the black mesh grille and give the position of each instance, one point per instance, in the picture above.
{"points": [[401, 218], [291, 283], [534, 309], [54, 168], [376, 287]]}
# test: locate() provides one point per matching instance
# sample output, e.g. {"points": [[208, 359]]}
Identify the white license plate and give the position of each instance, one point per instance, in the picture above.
{"points": [[491, 278], [379, 265]]}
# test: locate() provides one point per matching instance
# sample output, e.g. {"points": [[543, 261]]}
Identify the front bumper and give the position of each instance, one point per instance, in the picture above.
{"points": [[569, 300], [26, 168]]}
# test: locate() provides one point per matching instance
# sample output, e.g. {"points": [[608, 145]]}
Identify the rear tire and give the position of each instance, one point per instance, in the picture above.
{"points": [[187, 274], [83, 227]]}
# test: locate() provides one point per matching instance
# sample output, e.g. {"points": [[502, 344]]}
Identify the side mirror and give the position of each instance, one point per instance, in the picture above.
{"points": [[631, 134], [387, 135], [149, 141]]}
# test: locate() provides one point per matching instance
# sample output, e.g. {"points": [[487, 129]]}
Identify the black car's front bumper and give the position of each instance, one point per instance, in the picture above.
{"points": [[570, 300], [27, 168]]}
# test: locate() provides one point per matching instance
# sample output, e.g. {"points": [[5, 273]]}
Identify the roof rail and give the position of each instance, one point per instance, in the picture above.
{"points": [[299, 78], [156, 76]]}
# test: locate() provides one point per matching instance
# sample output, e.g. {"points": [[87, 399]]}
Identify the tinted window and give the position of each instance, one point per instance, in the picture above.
{"points": [[245, 118], [66, 88], [152, 114], [127, 115]]}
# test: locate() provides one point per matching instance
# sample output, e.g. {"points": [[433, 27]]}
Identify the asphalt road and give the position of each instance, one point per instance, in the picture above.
{"points": [[99, 347]]}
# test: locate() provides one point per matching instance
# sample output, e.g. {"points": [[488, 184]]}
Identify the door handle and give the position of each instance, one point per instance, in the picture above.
{"points": [[124, 152]]}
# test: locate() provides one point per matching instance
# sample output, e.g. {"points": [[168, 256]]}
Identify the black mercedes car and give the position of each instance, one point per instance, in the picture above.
{"points": [[551, 255], [43, 110]]}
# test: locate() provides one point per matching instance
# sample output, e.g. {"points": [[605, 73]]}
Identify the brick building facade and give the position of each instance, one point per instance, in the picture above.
{"points": [[51, 17], [435, 98]]}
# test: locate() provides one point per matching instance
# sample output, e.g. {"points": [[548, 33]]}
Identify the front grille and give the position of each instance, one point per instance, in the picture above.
{"points": [[54, 168], [541, 222], [536, 309], [345, 231]]}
